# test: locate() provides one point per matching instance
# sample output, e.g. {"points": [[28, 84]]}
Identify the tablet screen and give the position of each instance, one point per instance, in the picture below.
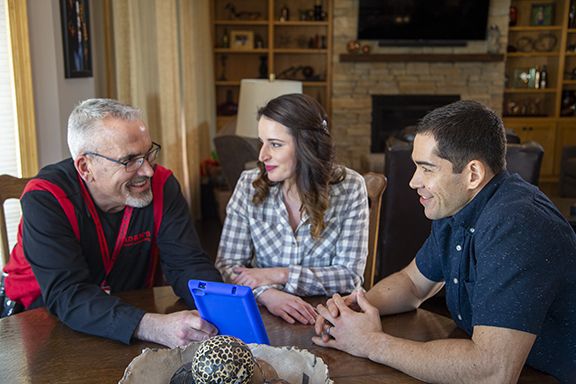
{"points": [[230, 308]]}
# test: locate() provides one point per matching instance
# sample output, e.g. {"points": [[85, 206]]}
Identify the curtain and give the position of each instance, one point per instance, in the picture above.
{"points": [[159, 59]]}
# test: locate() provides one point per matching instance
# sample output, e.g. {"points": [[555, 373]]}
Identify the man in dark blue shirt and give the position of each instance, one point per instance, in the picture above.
{"points": [[505, 254]]}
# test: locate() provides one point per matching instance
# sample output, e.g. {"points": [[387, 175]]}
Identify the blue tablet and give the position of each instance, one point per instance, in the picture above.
{"points": [[230, 308]]}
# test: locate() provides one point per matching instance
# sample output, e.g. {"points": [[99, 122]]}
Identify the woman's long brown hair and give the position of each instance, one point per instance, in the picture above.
{"points": [[307, 122]]}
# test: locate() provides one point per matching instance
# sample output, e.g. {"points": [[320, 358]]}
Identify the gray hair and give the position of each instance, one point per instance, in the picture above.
{"points": [[83, 121]]}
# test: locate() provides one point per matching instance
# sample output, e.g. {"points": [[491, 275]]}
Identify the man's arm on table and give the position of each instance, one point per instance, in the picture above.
{"points": [[492, 355], [175, 329], [400, 292], [182, 259]]}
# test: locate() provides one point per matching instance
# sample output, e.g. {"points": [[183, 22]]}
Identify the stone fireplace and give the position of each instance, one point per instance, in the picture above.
{"points": [[392, 114], [355, 83]]}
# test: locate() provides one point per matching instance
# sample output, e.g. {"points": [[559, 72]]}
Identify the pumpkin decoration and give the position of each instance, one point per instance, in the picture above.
{"points": [[354, 46]]}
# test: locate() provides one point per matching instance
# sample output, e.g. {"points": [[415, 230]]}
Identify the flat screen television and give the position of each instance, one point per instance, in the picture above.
{"points": [[422, 22]]}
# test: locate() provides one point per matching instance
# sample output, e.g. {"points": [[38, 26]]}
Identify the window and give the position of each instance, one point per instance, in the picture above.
{"points": [[18, 154], [8, 129]]}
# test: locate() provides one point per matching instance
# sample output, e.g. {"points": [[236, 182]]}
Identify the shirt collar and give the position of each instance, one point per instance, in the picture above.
{"points": [[468, 215], [275, 193]]}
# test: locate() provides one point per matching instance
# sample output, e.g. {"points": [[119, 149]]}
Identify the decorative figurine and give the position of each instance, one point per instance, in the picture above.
{"points": [[513, 16], [284, 13], [354, 46], [493, 42]]}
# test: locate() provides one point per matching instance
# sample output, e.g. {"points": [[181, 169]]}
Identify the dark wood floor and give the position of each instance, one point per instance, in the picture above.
{"points": [[209, 232]]}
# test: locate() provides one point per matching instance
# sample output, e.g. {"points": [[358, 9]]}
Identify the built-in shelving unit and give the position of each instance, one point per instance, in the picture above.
{"points": [[541, 40], [257, 38]]}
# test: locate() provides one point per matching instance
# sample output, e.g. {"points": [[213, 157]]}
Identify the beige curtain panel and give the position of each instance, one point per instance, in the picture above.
{"points": [[158, 60]]}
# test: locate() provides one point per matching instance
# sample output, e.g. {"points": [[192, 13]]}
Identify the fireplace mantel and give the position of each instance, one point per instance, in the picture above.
{"points": [[421, 57]]}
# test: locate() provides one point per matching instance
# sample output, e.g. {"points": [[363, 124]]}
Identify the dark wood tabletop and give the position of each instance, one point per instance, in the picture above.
{"points": [[36, 348]]}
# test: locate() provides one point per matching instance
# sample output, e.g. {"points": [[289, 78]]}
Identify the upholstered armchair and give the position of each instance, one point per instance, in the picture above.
{"points": [[235, 154], [568, 172], [525, 159], [403, 225]]}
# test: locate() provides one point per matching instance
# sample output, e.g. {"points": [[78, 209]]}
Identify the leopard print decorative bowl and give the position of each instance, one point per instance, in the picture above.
{"points": [[223, 360]]}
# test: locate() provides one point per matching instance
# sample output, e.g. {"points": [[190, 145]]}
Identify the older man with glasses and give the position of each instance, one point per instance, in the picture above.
{"points": [[102, 222]]}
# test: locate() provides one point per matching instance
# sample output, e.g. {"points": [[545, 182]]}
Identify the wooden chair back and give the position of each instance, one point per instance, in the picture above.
{"points": [[375, 184], [11, 187]]}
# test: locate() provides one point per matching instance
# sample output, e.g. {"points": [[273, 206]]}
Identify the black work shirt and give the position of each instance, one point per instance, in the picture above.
{"points": [[70, 271]]}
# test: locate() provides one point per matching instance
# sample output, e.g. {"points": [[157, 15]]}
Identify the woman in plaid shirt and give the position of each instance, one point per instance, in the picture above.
{"points": [[297, 225]]}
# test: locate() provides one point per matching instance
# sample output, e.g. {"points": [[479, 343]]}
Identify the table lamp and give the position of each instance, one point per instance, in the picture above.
{"points": [[254, 94]]}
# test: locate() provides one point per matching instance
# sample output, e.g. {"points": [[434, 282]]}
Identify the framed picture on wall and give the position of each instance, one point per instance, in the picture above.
{"points": [[76, 41], [542, 14], [524, 78], [242, 40]]}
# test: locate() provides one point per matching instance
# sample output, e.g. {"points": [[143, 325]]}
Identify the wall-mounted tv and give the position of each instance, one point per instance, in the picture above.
{"points": [[422, 22]]}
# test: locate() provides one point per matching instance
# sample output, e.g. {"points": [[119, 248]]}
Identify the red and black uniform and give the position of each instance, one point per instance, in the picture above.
{"points": [[69, 251]]}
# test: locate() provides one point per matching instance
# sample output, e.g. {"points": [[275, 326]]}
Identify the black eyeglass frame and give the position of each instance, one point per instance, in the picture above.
{"points": [[135, 160]]}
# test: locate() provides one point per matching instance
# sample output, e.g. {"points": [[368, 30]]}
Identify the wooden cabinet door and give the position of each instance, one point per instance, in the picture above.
{"points": [[544, 133], [566, 136]]}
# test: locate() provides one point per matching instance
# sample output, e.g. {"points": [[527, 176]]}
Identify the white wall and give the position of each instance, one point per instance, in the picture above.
{"points": [[54, 96]]}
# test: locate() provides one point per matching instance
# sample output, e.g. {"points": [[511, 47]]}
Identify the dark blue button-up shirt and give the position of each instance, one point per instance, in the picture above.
{"points": [[509, 260]]}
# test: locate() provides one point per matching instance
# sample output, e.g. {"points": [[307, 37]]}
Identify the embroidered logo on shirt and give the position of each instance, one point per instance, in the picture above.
{"points": [[137, 239]]}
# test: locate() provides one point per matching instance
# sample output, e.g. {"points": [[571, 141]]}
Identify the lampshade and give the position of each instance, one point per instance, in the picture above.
{"points": [[254, 94]]}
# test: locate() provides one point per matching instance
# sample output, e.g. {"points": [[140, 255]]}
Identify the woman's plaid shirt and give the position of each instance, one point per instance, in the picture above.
{"points": [[260, 236]]}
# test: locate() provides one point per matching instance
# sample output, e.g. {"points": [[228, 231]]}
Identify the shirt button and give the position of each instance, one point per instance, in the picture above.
{"points": [[459, 317], [455, 281], [458, 247], [472, 230]]}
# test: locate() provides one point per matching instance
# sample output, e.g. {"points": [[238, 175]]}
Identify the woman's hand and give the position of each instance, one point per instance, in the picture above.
{"points": [[256, 277], [289, 307]]}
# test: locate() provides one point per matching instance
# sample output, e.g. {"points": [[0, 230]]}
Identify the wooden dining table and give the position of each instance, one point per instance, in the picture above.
{"points": [[35, 347]]}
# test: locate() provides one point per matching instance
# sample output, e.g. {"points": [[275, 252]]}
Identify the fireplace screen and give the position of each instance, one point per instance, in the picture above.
{"points": [[392, 114]]}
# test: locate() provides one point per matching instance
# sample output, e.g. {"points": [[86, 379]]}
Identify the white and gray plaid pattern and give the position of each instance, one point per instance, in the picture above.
{"points": [[333, 263]]}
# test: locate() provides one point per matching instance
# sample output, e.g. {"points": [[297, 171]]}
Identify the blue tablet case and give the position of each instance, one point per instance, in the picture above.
{"points": [[230, 308]]}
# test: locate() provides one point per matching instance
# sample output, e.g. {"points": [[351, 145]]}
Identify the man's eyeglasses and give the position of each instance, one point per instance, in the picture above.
{"points": [[133, 164]]}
